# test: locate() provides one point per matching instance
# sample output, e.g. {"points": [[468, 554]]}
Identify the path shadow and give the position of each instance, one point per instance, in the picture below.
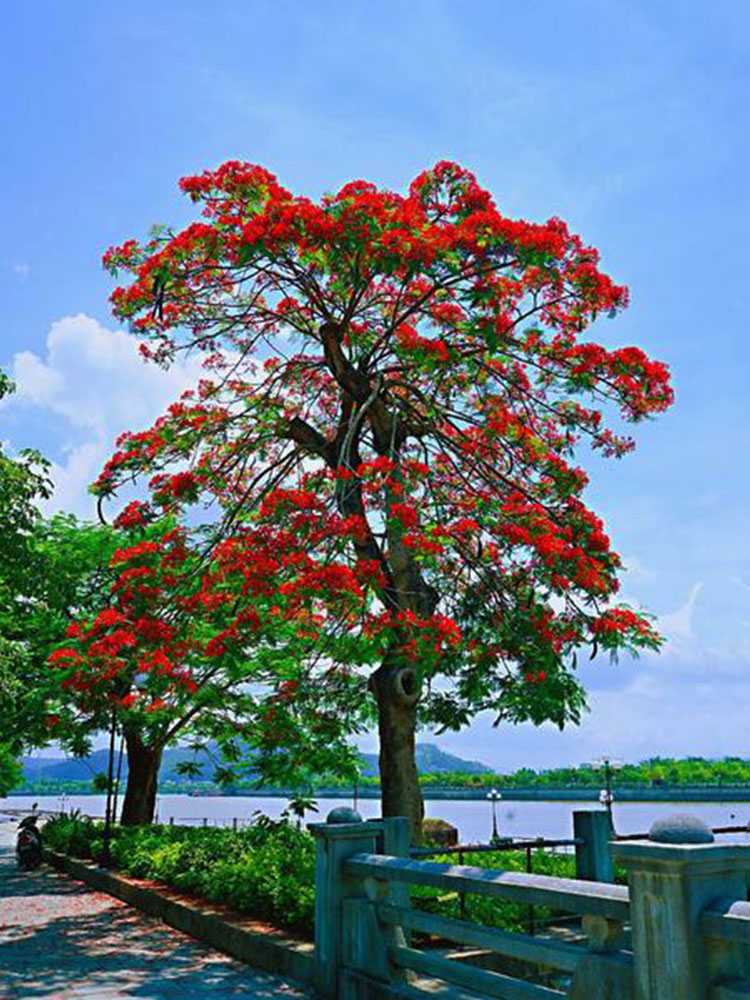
{"points": [[122, 950], [114, 950], [19, 883], [42, 881]]}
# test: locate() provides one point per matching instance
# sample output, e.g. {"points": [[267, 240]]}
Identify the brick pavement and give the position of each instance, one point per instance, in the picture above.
{"points": [[60, 940]]}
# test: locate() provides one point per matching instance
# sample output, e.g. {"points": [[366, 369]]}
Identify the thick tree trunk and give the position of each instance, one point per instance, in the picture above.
{"points": [[143, 770], [396, 689]]}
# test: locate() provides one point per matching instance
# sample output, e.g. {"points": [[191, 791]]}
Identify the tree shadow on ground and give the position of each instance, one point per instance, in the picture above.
{"points": [[107, 949], [121, 949], [14, 882]]}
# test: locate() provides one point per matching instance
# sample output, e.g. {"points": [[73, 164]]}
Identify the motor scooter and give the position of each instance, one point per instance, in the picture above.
{"points": [[28, 844]]}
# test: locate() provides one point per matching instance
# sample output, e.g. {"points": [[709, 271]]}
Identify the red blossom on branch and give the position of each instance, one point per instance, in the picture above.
{"points": [[401, 479]]}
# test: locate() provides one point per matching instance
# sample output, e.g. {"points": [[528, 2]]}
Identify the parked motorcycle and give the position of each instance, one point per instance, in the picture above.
{"points": [[29, 844]]}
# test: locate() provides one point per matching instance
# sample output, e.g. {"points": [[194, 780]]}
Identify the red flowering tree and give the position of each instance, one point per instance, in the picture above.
{"points": [[395, 389], [188, 644]]}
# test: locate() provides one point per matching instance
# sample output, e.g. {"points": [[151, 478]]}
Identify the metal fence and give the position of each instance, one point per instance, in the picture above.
{"points": [[235, 822], [526, 845]]}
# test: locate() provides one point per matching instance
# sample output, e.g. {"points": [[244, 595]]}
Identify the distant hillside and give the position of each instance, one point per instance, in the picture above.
{"points": [[72, 769], [430, 760]]}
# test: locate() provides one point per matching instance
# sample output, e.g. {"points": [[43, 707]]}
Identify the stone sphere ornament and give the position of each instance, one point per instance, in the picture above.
{"points": [[343, 814], [680, 828]]}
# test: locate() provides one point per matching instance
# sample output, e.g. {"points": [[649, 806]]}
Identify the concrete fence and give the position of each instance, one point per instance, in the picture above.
{"points": [[680, 929]]}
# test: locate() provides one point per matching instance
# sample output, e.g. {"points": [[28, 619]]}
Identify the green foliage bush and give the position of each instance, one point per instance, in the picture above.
{"points": [[71, 833], [496, 912], [10, 770], [267, 869]]}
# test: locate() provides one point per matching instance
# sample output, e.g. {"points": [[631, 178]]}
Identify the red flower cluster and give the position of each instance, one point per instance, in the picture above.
{"points": [[411, 342], [406, 514], [413, 451]]}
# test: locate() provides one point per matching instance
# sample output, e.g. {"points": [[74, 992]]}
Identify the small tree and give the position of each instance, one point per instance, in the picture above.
{"points": [[24, 482], [10, 769], [394, 389], [178, 651]]}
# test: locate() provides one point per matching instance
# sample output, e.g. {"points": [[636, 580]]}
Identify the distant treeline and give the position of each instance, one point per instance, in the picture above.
{"points": [[658, 772]]}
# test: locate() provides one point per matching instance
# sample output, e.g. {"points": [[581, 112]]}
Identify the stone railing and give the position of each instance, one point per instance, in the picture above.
{"points": [[685, 907]]}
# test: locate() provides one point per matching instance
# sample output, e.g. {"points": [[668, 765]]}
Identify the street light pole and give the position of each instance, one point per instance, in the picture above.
{"points": [[139, 680], [606, 796], [116, 793], [494, 796]]}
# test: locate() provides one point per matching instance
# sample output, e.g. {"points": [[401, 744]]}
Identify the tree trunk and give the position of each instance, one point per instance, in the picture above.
{"points": [[396, 689], [143, 770]]}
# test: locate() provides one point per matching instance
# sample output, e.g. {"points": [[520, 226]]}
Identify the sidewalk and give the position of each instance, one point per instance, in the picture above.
{"points": [[60, 940]]}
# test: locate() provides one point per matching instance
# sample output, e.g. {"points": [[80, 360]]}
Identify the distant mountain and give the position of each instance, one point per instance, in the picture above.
{"points": [[430, 760], [83, 769], [65, 769]]}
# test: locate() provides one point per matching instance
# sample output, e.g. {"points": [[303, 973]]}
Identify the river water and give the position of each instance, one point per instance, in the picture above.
{"points": [[472, 817]]}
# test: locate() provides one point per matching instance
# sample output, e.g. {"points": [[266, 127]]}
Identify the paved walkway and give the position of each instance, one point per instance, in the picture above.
{"points": [[59, 940]]}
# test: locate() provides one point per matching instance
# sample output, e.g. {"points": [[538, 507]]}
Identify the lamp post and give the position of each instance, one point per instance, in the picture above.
{"points": [[494, 796], [606, 797]]}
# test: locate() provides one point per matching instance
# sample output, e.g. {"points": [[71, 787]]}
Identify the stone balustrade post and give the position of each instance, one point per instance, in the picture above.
{"points": [[673, 876], [341, 836], [594, 856], [396, 841]]}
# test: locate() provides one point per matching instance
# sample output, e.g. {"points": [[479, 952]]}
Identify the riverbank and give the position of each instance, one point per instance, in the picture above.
{"points": [[471, 817], [622, 793]]}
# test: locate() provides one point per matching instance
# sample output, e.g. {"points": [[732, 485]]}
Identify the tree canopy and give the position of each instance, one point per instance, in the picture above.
{"points": [[382, 446]]}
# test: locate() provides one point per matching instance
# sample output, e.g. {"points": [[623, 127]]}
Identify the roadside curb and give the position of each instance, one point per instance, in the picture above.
{"points": [[250, 941]]}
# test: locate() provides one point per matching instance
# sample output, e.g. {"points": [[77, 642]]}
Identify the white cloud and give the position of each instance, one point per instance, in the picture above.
{"points": [[72, 479], [677, 626], [673, 703], [94, 381], [659, 709], [20, 269], [635, 568]]}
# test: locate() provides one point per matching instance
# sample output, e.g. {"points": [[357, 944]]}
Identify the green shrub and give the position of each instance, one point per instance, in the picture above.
{"points": [[268, 869], [72, 834], [484, 909]]}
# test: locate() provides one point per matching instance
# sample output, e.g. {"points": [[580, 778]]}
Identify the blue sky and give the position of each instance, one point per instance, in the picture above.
{"points": [[628, 120]]}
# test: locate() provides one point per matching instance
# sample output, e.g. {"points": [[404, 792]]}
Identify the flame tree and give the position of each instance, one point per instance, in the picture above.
{"points": [[395, 389], [184, 646]]}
